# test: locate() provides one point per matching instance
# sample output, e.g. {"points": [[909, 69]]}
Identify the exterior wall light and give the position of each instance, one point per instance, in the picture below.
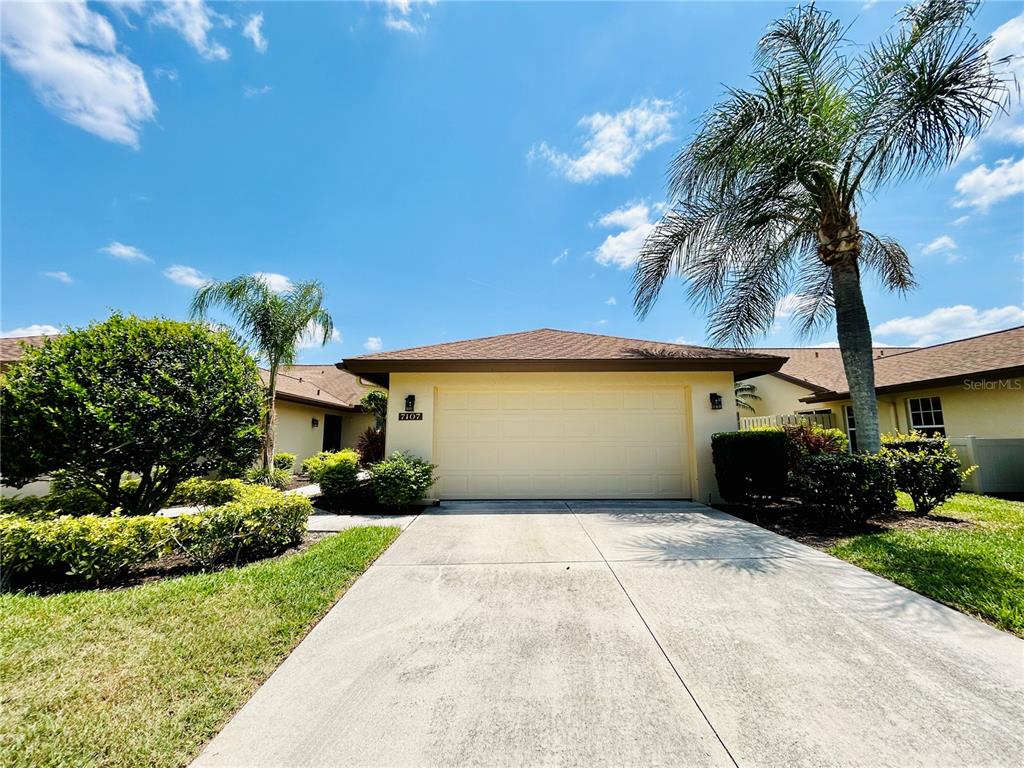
{"points": [[316, 422], [716, 401], [410, 402]]}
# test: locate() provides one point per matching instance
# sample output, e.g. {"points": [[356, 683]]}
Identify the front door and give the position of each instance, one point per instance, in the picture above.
{"points": [[332, 432]]}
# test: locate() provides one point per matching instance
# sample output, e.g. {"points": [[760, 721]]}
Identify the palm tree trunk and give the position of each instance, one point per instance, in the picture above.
{"points": [[270, 419], [854, 332]]}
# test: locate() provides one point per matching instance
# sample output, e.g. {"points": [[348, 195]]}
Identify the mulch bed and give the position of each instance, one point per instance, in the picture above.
{"points": [[789, 519]]}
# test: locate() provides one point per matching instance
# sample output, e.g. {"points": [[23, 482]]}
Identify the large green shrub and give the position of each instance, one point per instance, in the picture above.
{"points": [[848, 488], [916, 442], [750, 464], [929, 474], [262, 522], [338, 476], [91, 548], [314, 466], [376, 402], [284, 461], [157, 399], [200, 492], [401, 479]]}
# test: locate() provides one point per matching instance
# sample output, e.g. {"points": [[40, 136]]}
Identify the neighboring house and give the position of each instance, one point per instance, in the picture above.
{"points": [[558, 414], [11, 349], [318, 409]]}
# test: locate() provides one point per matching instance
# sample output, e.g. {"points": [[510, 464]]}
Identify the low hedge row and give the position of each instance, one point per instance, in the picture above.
{"points": [[393, 482], [93, 548]]}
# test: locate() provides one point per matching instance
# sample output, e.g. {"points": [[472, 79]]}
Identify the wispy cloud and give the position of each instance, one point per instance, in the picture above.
{"points": [[38, 329], [944, 245], [959, 222], [253, 30], [166, 73], [251, 92], [190, 277], [982, 187], [68, 53], [611, 301], [194, 20], [950, 323], [275, 282], [787, 305], [561, 257], [60, 277], [373, 344], [406, 15], [313, 336], [623, 248], [614, 143], [125, 252]]}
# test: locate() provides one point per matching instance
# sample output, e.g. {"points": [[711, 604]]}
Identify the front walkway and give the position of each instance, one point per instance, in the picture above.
{"points": [[592, 633]]}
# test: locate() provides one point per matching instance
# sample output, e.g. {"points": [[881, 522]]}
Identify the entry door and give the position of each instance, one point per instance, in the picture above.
{"points": [[545, 442], [332, 432]]}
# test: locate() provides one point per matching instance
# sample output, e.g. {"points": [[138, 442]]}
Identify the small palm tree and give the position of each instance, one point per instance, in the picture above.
{"points": [[275, 322], [745, 392], [764, 200]]}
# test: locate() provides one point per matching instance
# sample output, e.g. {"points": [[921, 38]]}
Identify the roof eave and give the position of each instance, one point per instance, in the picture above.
{"points": [[941, 381], [279, 395]]}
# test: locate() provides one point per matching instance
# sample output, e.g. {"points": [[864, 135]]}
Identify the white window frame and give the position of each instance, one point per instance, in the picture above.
{"points": [[934, 407], [851, 431]]}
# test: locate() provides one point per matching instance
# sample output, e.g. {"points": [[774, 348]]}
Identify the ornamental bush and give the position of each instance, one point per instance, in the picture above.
{"points": [[813, 439], [338, 476], [915, 442], [272, 477], [929, 472], [200, 492], [370, 445], [156, 399], [846, 487], [401, 479], [751, 463], [284, 461]]}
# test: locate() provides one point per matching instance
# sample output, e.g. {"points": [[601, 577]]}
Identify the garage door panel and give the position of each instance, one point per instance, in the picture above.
{"points": [[548, 442]]}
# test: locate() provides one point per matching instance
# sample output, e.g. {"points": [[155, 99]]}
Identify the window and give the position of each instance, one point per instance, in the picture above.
{"points": [[926, 415], [851, 428]]}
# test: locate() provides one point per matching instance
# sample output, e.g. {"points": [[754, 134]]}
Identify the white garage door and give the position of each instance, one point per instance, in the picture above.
{"points": [[561, 443]]}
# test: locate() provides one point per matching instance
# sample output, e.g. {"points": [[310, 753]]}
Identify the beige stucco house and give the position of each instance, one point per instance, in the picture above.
{"points": [[558, 414]]}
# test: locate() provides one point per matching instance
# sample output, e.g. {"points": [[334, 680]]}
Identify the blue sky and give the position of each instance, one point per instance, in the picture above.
{"points": [[447, 170]]}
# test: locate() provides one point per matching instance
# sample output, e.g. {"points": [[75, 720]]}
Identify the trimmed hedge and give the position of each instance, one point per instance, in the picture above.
{"points": [[314, 466], [338, 476], [285, 461], [92, 548], [401, 479], [848, 487], [929, 471], [751, 463], [200, 492], [271, 477]]}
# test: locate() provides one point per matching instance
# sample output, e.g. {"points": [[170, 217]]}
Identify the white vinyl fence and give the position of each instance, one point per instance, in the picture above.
{"points": [[785, 419], [1000, 463]]}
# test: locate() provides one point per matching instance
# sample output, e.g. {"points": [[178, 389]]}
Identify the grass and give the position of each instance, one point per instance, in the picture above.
{"points": [[978, 570], [147, 675]]}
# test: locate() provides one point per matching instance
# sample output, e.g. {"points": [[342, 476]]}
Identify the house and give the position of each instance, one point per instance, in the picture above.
{"points": [[971, 391], [317, 409], [559, 414], [317, 405]]}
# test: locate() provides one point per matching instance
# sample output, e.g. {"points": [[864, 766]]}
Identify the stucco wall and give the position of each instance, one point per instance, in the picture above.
{"points": [[777, 397], [352, 426], [296, 433], [417, 437]]}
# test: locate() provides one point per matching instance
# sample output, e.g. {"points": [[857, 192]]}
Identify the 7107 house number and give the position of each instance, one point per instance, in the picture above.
{"points": [[404, 416]]}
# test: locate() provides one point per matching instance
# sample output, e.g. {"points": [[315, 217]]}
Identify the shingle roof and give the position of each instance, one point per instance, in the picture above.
{"points": [[12, 349], [820, 368], [319, 385], [993, 354], [548, 349]]}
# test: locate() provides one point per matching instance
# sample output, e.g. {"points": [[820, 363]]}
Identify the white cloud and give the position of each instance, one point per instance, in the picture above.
{"points": [[275, 282], [253, 30], [61, 277], [30, 330], [944, 245], [187, 276], [680, 340], [373, 343], [251, 92], [623, 248], [787, 306], [400, 15], [950, 323], [313, 336], [610, 301], [960, 221], [166, 73], [982, 187], [125, 252], [561, 257], [615, 142], [194, 20], [69, 55]]}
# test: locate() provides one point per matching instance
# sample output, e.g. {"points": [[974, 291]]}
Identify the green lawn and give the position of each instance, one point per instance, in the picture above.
{"points": [[978, 570], [147, 675]]}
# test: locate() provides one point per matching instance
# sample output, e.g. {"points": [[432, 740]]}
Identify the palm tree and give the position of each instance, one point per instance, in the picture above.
{"points": [[275, 322], [764, 200], [744, 393]]}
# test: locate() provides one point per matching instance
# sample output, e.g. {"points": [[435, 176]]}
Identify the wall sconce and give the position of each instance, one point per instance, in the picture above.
{"points": [[316, 422], [716, 401], [410, 402]]}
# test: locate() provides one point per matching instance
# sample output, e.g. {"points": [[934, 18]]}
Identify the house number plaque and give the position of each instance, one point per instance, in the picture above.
{"points": [[404, 416]]}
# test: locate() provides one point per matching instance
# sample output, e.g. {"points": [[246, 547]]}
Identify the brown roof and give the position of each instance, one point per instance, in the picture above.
{"points": [[323, 385], [819, 368], [993, 354], [548, 349], [12, 349]]}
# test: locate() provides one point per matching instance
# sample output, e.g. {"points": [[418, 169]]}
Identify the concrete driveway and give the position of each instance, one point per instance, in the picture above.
{"points": [[621, 634]]}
